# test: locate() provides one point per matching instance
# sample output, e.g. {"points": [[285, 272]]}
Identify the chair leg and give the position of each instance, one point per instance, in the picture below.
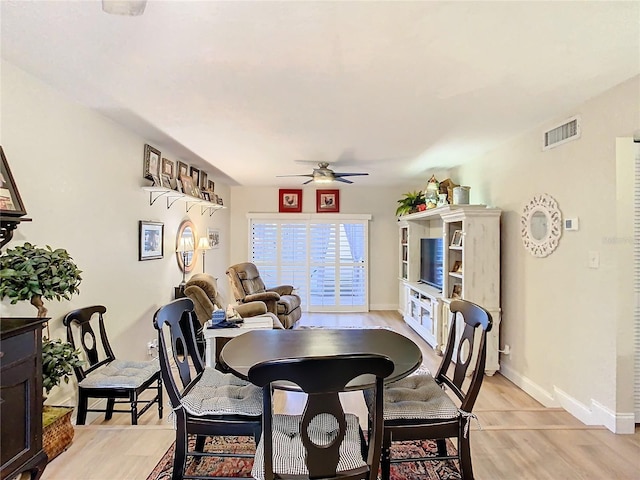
{"points": [[464, 454], [180, 455], [200, 439], [442, 447], [385, 461], [110, 404], [82, 408], [134, 408], [159, 397]]}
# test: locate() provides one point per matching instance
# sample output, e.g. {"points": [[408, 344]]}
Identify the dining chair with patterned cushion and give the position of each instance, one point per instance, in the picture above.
{"points": [[418, 407], [103, 375], [205, 401], [324, 442]]}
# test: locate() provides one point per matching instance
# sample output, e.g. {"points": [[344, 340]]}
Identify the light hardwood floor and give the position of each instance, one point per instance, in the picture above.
{"points": [[520, 439]]}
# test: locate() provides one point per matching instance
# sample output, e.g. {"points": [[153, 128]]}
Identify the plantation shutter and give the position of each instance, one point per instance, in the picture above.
{"points": [[326, 259]]}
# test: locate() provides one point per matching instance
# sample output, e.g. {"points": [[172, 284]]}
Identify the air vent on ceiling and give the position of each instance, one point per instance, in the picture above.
{"points": [[566, 132]]}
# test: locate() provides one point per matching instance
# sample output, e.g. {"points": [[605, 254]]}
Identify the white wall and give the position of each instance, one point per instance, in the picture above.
{"points": [[383, 233], [80, 177], [560, 317]]}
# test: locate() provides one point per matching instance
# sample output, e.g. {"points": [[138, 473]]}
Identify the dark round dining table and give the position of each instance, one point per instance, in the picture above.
{"points": [[257, 346]]}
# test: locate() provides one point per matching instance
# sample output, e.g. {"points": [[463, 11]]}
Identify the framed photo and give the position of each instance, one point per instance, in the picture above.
{"points": [[195, 174], [457, 267], [151, 162], [203, 180], [219, 200], [151, 240], [206, 196], [168, 168], [187, 186], [178, 185], [211, 185], [290, 201], [214, 237], [10, 202], [327, 201], [456, 240], [165, 180], [183, 170], [156, 180], [456, 291]]}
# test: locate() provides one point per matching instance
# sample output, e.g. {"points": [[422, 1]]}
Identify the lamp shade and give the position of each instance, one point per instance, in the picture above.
{"points": [[204, 244], [186, 244], [124, 7]]}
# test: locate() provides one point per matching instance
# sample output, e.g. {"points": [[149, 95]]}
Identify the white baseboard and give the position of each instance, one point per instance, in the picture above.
{"points": [[595, 414], [383, 306]]}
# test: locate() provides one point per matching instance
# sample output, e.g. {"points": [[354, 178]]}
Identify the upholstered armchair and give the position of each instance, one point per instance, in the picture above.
{"points": [[248, 286], [202, 289]]}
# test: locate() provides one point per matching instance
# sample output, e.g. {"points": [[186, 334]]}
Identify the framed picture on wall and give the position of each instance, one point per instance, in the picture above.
{"points": [[187, 186], [203, 180], [10, 202], [168, 168], [182, 170], [214, 237], [211, 185], [327, 201], [151, 162], [194, 173], [290, 200], [150, 240]]}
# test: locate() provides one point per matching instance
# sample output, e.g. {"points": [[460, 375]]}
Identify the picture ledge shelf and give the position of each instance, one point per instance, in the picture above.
{"points": [[173, 196]]}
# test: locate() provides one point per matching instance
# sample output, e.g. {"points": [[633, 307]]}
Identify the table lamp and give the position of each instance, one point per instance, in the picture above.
{"points": [[204, 246], [184, 247]]}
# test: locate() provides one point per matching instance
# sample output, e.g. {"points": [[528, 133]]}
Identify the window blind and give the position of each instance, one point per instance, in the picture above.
{"points": [[326, 260]]}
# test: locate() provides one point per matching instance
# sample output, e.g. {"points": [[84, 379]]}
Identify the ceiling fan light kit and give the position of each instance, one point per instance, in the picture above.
{"points": [[132, 8]]}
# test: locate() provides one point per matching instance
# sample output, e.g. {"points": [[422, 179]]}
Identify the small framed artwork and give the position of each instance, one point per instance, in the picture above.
{"points": [[182, 170], [178, 185], [219, 200], [10, 202], [214, 237], [151, 240], [290, 201], [327, 201], [211, 185], [456, 240], [456, 291], [166, 181], [168, 168], [187, 186], [203, 180], [156, 180], [195, 174], [151, 162], [457, 267], [206, 196]]}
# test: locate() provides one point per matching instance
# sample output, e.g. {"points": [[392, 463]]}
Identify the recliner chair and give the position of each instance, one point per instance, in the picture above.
{"points": [[248, 286]]}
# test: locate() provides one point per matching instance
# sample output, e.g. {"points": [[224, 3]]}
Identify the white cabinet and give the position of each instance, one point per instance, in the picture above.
{"points": [[471, 238]]}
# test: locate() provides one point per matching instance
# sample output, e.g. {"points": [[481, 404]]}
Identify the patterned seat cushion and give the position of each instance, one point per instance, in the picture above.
{"points": [[121, 374], [415, 397], [289, 452], [218, 393]]}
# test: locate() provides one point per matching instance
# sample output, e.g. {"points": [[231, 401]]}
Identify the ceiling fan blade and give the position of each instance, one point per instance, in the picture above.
{"points": [[308, 181], [349, 174], [300, 175], [343, 180]]}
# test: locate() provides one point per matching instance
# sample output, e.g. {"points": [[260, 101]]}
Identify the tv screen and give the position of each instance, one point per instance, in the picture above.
{"points": [[431, 262]]}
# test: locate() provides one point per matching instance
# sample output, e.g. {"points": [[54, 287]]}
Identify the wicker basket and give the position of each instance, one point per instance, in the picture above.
{"points": [[57, 436]]}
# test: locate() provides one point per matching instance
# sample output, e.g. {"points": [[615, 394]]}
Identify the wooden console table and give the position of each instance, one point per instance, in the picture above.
{"points": [[21, 397]]}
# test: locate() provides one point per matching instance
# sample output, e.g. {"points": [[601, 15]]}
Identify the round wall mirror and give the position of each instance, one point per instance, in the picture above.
{"points": [[541, 225], [186, 245]]}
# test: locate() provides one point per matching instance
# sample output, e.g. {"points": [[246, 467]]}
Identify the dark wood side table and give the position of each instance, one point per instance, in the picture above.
{"points": [[242, 352], [21, 397], [178, 292]]}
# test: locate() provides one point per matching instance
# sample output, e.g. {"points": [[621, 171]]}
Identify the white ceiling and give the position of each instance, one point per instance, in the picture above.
{"points": [[396, 89]]}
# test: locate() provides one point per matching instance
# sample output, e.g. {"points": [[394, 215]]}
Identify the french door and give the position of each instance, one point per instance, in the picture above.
{"points": [[325, 258]]}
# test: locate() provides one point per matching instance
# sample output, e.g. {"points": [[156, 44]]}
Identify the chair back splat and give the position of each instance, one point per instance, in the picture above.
{"points": [[330, 438]]}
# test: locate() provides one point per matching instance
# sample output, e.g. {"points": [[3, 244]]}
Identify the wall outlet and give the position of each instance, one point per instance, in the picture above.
{"points": [[506, 350]]}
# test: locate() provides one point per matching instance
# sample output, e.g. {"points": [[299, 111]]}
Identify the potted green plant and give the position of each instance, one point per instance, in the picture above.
{"points": [[32, 273], [58, 360], [409, 203]]}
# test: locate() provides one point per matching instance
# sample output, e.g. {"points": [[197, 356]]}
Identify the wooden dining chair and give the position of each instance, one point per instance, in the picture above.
{"points": [[324, 442], [206, 402], [417, 407], [103, 375]]}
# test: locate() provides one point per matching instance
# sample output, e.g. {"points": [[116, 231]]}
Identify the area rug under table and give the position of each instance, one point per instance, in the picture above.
{"points": [[241, 467]]}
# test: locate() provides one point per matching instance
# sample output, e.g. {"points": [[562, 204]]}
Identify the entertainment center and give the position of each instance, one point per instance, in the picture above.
{"points": [[461, 260]]}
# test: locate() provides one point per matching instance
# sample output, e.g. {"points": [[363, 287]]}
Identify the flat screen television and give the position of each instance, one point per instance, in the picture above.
{"points": [[431, 262]]}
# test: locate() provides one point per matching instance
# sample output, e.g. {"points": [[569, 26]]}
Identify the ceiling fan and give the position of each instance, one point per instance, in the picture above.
{"points": [[323, 174]]}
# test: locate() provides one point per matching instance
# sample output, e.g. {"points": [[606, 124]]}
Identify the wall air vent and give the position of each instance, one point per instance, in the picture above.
{"points": [[566, 132]]}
